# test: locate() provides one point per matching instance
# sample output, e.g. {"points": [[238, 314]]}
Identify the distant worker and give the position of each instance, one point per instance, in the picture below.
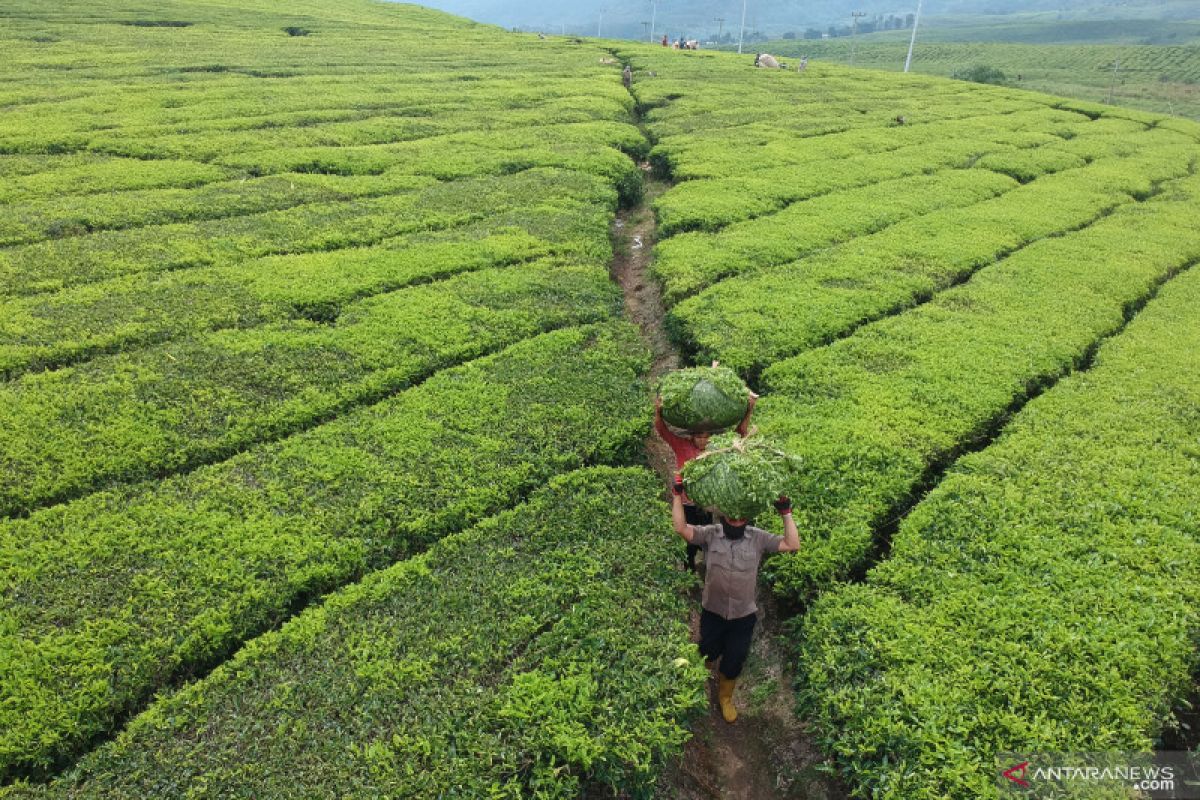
{"points": [[766, 61], [685, 448], [692, 44], [729, 610], [665, 42], [627, 76], [803, 65]]}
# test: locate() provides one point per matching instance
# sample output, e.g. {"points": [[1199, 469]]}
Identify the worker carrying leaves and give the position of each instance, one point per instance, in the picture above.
{"points": [[700, 401], [733, 551]]}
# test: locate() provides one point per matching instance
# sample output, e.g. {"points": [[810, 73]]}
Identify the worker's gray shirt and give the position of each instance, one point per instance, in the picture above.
{"points": [[731, 568]]}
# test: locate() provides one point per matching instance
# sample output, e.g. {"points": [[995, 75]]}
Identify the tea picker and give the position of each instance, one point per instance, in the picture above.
{"points": [[699, 402], [736, 482]]}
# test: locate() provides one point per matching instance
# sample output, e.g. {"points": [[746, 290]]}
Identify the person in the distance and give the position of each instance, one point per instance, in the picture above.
{"points": [[733, 551]]}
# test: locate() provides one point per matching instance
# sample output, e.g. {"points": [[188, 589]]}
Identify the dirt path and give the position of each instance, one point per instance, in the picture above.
{"points": [[767, 754]]}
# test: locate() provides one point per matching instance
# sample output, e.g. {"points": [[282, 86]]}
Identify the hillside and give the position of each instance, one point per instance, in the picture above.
{"points": [[774, 17], [327, 364], [1159, 78]]}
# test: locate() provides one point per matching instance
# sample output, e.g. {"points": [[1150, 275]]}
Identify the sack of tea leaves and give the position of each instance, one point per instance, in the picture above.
{"points": [[703, 399], [740, 478]]}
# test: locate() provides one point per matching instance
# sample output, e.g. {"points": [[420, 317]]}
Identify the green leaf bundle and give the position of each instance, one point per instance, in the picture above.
{"points": [[740, 478], [703, 398]]}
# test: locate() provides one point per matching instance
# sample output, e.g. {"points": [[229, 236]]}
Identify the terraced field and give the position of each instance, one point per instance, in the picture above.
{"points": [[1160, 78], [322, 431], [283, 311], [901, 264]]}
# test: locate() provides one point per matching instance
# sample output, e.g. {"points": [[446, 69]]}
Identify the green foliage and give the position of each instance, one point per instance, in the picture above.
{"points": [[980, 73], [52, 265], [113, 595], [1044, 596], [150, 307], [878, 370], [872, 414], [543, 651], [1152, 73], [133, 415], [750, 321], [740, 478], [689, 262], [703, 398]]}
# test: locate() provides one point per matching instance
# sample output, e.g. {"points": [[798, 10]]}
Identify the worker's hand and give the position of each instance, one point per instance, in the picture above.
{"points": [[658, 402], [783, 505], [753, 399], [716, 363], [677, 484]]}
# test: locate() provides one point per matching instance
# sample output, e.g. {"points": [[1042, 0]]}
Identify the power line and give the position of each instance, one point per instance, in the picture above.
{"points": [[742, 33], [913, 41], [854, 34]]}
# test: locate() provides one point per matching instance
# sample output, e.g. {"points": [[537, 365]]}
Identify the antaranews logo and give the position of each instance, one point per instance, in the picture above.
{"points": [[1017, 774], [1161, 775]]}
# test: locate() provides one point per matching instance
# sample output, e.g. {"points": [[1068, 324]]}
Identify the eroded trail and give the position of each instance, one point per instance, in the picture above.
{"points": [[767, 753]]}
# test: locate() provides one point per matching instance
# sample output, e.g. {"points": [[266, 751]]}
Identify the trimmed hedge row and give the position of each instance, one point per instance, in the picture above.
{"points": [[53, 265], [730, 152], [134, 415], [751, 321], [149, 307], [597, 148], [873, 413], [109, 598], [709, 205], [1044, 597], [493, 115], [232, 102], [77, 215], [689, 262], [542, 653], [712, 203], [82, 174]]}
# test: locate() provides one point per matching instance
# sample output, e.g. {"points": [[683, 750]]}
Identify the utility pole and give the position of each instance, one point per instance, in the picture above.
{"points": [[646, 27], [1112, 84], [600, 24], [742, 33], [653, 17], [913, 40], [721, 26], [854, 34]]}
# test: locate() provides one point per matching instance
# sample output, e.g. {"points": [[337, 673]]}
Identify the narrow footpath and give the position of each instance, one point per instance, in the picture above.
{"points": [[767, 754]]}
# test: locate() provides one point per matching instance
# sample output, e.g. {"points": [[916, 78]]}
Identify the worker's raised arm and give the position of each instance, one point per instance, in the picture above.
{"points": [[678, 518], [791, 536]]}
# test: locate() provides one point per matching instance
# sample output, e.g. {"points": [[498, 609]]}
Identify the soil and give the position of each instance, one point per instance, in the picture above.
{"points": [[767, 753]]}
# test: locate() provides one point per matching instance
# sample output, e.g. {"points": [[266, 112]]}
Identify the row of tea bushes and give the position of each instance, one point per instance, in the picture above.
{"points": [[872, 415], [112, 597], [541, 653], [147, 307], [1044, 597], [753, 320], [72, 261], [154, 411]]}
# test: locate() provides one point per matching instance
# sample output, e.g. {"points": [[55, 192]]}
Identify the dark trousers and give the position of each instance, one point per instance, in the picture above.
{"points": [[726, 639], [695, 515]]}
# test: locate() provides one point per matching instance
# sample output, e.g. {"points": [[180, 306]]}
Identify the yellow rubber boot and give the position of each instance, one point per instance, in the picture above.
{"points": [[725, 696]]}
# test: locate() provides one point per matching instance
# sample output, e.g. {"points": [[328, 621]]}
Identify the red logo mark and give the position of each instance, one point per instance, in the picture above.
{"points": [[1017, 774]]}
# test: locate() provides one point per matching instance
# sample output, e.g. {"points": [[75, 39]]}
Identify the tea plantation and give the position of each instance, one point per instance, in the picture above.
{"points": [[901, 264], [322, 431]]}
